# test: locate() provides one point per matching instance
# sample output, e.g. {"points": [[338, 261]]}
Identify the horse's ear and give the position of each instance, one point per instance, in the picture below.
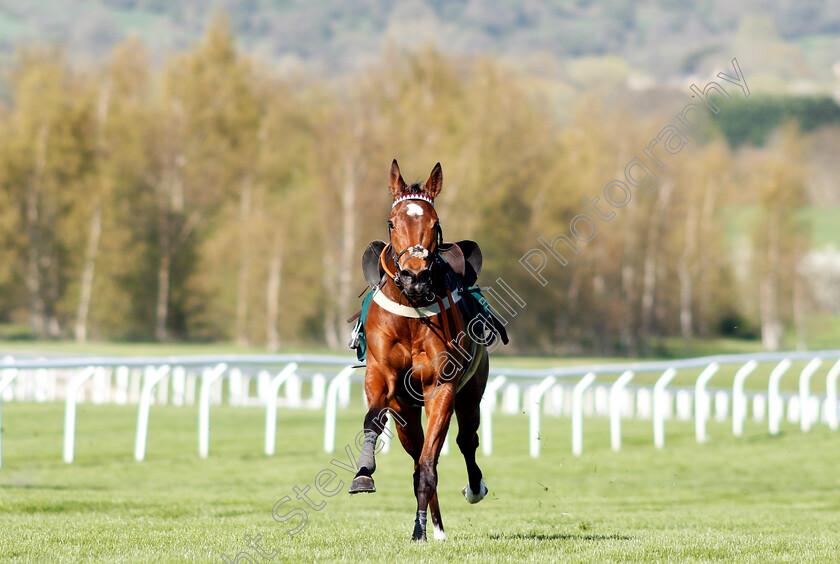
{"points": [[396, 184], [435, 182]]}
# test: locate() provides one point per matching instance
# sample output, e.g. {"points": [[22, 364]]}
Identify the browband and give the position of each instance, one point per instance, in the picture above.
{"points": [[413, 197]]}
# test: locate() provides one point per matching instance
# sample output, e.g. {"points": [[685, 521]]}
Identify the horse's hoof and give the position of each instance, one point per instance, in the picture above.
{"points": [[362, 484], [473, 497], [418, 536]]}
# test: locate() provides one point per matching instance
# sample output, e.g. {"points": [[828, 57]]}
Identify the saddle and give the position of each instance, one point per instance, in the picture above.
{"points": [[463, 262], [463, 257]]}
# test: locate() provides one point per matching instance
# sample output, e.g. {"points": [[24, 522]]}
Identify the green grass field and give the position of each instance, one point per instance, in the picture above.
{"points": [[756, 499]]}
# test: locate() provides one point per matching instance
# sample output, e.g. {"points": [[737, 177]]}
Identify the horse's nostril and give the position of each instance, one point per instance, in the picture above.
{"points": [[407, 278]]}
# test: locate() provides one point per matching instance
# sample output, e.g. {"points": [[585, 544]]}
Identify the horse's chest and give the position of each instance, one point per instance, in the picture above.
{"points": [[425, 343]]}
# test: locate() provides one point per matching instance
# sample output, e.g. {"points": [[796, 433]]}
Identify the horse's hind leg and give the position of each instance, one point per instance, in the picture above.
{"points": [[468, 412]]}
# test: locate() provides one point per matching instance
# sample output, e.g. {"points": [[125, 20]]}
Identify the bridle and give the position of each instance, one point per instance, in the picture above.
{"points": [[401, 276]]}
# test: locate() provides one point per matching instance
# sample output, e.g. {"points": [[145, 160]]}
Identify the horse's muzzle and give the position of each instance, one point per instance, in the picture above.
{"points": [[416, 286]]}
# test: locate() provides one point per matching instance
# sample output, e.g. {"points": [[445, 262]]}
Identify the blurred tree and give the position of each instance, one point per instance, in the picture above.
{"points": [[47, 155], [777, 178], [122, 98], [207, 142], [212, 200]]}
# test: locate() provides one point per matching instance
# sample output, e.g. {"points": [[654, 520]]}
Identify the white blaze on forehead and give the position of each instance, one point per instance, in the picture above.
{"points": [[413, 209]]}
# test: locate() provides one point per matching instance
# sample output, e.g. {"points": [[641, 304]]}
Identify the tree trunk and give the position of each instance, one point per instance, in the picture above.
{"points": [[348, 238], [602, 328], [162, 305], [628, 278], [684, 272], [171, 207], [799, 308], [87, 275], [706, 256], [33, 259], [275, 266], [92, 251], [330, 305], [771, 325], [244, 264], [37, 304], [651, 256]]}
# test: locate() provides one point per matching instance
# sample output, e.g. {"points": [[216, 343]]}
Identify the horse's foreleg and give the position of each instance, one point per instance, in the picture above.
{"points": [[375, 421], [412, 439], [439, 413]]}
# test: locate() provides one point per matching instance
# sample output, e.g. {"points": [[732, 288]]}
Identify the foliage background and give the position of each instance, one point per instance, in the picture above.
{"points": [[169, 171]]}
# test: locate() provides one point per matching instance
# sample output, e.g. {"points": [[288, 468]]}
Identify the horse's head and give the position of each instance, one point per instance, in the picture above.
{"points": [[414, 231]]}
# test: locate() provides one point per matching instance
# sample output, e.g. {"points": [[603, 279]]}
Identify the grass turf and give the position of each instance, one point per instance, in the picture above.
{"points": [[756, 499]]}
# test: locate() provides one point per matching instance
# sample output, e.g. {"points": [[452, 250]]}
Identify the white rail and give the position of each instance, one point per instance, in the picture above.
{"points": [[831, 395], [805, 415], [616, 397], [659, 407], [702, 404], [487, 406], [577, 412], [774, 398], [152, 378], [8, 376], [330, 413], [271, 406], [739, 399], [70, 412], [567, 390], [210, 377], [534, 416]]}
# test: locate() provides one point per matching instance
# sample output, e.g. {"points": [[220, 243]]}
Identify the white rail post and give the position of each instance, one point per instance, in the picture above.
{"points": [[616, 397], [577, 412], [208, 378], [151, 378], [805, 415], [73, 386], [830, 393], [330, 412], [535, 397], [774, 399], [659, 407], [487, 405], [270, 395], [739, 400], [8, 376], [385, 439], [702, 402]]}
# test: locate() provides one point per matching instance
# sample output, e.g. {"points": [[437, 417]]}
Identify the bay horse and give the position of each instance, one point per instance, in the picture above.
{"points": [[417, 354]]}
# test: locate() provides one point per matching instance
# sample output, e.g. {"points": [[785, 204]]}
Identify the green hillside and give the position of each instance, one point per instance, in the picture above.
{"points": [[664, 38]]}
